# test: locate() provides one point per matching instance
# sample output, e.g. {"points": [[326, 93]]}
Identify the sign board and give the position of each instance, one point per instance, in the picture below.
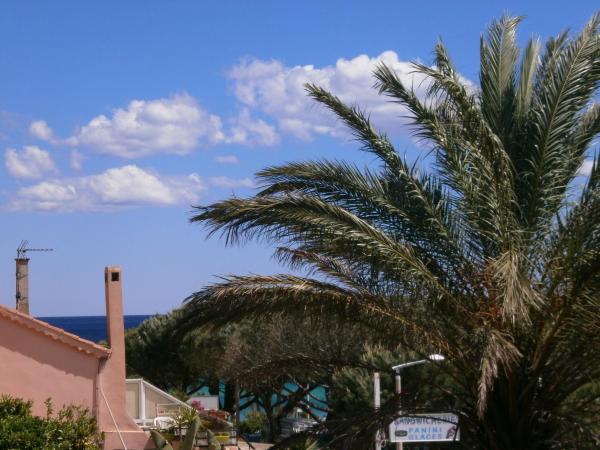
{"points": [[434, 427]]}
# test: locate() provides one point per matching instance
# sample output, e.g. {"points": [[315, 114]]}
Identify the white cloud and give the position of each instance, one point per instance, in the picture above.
{"points": [[278, 91], [116, 188], [272, 100], [47, 195], [39, 129], [226, 182], [247, 130], [586, 167], [76, 159], [177, 124], [227, 159], [31, 162]]}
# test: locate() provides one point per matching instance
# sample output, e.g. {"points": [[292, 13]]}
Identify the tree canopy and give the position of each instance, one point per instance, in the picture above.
{"points": [[488, 254]]}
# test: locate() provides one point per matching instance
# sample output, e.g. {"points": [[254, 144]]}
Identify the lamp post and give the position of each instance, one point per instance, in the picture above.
{"points": [[398, 379], [377, 404]]}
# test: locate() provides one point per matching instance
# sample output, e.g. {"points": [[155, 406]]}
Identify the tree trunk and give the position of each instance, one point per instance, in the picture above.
{"points": [[229, 397], [214, 387], [272, 417]]}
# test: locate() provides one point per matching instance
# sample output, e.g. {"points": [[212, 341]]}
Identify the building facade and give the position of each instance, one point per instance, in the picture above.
{"points": [[40, 361]]}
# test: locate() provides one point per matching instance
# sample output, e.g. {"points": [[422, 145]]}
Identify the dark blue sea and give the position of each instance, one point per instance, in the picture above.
{"points": [[92, 328]]}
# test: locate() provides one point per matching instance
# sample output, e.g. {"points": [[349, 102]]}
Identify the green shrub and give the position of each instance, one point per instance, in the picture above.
{"points": [[253, 423], [72, 428]]}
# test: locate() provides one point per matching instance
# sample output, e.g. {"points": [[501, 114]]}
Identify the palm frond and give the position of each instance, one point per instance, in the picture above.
{"points": [[499, 53], [491, 256], [240, 297], [562, 93], [360, 125]]}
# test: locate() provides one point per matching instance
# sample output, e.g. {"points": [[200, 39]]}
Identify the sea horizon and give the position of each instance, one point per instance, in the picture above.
{"points": [[92, 328]]}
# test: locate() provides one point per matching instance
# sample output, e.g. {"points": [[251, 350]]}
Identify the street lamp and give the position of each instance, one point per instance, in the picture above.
{"points": [[398, 379], [430, 358]]}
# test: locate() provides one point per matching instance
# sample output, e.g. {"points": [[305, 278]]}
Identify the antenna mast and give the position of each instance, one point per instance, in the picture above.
{"points": [[22, 275], [22, 250]]}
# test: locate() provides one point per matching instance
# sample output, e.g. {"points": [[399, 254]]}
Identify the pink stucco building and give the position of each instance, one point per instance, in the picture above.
{"points": [[39, 361]]}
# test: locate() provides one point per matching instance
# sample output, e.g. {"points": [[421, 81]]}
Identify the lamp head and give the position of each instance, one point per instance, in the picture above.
{"points": [[436, 357]]}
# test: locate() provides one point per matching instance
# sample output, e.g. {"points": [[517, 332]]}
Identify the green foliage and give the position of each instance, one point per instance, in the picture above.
{"points": [[213, 441], [185, 417], [160, 442], [259, 355], [490, 255], [264, 356], [156, 352], [253, 423], [72, 428], [190, 437], [10, 406], [351, 388], [305, 444], [192, 428]]}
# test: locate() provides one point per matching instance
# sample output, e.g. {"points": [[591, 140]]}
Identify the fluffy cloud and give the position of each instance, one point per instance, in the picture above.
{"points": [[231, 183], [116, 188], [31, 162], [40, 130], [169, 125], [246, 130], [76, 159], [272, 101], [227, 159], [278, 91]]}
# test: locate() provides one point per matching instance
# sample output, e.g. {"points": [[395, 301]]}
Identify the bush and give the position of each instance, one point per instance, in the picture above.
{"points": [[253, 423], [72, 428]]}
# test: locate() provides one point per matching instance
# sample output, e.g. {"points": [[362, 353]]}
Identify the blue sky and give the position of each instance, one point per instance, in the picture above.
{"points": [[116, 116]]}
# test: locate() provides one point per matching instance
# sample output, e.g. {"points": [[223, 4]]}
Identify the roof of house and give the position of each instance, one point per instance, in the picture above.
{"points": [[55, 333]]}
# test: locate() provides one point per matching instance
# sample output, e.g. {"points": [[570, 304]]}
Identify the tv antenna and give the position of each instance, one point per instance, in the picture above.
{"points": [[23, 249]]}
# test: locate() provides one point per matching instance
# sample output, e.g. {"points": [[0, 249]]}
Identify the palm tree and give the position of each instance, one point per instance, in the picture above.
{"points": [[489, 255]]}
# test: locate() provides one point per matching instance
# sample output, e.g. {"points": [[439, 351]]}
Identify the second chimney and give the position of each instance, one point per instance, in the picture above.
{"points": [[22, 288]]}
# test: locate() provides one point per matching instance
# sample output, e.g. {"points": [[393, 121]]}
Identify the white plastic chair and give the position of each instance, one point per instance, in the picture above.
{"points": [[163, 422]]}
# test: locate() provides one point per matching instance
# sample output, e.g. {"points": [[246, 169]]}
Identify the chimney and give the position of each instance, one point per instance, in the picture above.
{"points": [[112, 377], [115, 324], [22, 288]]}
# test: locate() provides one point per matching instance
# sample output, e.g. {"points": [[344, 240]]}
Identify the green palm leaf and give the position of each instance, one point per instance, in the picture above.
{"points": [[491, 256]]}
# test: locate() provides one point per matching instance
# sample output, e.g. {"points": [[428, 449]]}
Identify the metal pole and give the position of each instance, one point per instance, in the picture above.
{"points": [[398, 380], [237, 406], [377, 404]]}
